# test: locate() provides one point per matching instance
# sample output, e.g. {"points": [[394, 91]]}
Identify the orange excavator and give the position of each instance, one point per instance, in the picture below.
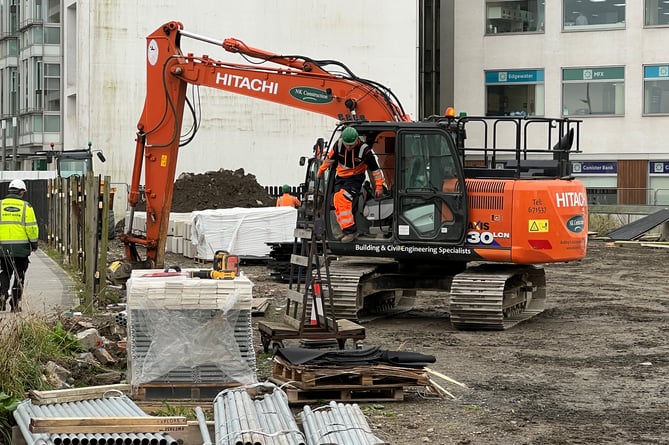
{"points": [[472, 206]]}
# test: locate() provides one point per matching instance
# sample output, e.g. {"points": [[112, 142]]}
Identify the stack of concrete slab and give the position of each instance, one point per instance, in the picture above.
{"points": [[239, 231], [243, 232], [189, 330]]}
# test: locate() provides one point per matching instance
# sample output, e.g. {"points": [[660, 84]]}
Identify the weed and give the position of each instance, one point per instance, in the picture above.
{"points": [[176, 411], [377, 410]]}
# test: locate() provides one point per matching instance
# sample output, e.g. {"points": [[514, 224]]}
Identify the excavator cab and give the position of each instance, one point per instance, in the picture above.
{"points": [[423, 200]]}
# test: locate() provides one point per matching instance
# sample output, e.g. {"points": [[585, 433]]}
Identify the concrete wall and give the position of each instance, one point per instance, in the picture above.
{"points": [[106, 68]]}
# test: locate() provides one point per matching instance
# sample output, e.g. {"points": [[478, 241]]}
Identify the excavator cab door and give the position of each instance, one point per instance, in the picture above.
{"points": [[430, 188]]}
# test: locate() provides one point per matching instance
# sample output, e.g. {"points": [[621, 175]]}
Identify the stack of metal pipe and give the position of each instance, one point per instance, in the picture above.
{"points": [[256, 414], [337, 423], [104, 407]]}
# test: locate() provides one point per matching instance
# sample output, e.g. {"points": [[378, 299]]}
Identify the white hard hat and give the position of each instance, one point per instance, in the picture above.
{"points": [[17, 184]]}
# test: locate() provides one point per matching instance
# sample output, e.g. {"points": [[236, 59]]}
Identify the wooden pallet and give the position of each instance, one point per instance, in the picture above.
{"points": [[180, 391], [364, 376], [351, 394]]}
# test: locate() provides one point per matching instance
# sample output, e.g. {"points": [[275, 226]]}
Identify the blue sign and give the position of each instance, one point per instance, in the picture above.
{"points": [[594, 168], [517, 76], [656, 72], [659, 167]]}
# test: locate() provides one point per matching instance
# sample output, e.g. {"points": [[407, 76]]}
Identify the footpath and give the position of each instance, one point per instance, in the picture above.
{"points": [[48, 289]]}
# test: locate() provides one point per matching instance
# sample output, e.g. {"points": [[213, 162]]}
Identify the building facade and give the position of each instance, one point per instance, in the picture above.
{"points": [[73, 72], [602, 61]]}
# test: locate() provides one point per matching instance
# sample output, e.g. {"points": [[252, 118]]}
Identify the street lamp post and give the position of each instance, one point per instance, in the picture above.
{"points": [[4, 145], [15, 151]]}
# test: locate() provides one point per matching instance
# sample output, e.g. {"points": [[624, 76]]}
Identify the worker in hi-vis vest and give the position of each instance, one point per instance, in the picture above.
{"points": [[18, 239], [287, 200]]}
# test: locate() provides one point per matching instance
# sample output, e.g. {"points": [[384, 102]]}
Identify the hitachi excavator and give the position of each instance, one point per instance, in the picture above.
{"points": [[473, 206]]}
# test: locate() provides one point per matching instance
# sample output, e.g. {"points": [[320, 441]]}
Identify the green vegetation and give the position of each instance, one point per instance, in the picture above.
{"points": [[377, 410], [603, 224], [26, 344]]}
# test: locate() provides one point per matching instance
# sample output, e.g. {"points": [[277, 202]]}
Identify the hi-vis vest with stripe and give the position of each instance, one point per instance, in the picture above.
{"points": [[355, 161], [18, 226]]}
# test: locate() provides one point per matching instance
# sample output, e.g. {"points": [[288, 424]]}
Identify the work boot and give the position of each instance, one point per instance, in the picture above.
{"points": [[349, 237]]}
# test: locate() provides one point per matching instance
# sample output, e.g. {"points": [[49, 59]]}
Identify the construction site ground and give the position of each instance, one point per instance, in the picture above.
{"points": [[592, 369]]}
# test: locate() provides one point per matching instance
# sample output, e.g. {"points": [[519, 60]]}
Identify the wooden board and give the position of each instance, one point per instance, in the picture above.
{"points": [[181, 391], [368, 377]]}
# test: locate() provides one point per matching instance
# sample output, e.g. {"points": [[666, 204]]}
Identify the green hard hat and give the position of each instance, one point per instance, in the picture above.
{"points": [[349, 135], [285, 188]]}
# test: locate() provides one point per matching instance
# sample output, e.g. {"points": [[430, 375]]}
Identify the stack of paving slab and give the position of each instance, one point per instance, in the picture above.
{"points": [[189, 330], [239, 231]]}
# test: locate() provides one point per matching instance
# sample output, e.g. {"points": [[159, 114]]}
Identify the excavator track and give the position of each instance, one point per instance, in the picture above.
{"points": [[490, 297], [355, 296]]}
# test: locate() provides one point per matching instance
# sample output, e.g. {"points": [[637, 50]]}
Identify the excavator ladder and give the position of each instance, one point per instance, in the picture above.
{"points": [[310, 308]]}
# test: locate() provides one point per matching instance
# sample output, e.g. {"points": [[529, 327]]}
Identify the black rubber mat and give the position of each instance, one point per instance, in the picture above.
{"points": [[637, 228]]}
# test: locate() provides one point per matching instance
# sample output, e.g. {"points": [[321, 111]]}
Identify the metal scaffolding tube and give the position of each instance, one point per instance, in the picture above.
{"points": [[113, 406], [202, 423]]}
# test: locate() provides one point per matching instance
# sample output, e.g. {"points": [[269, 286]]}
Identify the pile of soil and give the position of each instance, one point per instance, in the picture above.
{"points": [[222, 189]]}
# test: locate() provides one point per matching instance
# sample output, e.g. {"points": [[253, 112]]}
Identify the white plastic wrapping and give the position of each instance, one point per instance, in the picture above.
{"points": [[189, 330], [243, 232]]}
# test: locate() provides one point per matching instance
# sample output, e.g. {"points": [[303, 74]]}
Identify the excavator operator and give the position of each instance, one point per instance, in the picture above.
{"points": [[352, 158]]}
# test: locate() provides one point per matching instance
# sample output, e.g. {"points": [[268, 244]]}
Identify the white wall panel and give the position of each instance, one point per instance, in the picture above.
{"points": [[375, 40]]}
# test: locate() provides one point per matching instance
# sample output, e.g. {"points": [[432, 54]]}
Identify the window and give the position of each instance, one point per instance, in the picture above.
{"points": [[656, 12], [514, 93], [37, 79], [593, 14], [505, 16], [51, 87], [656, 89], [429, 58], [53, 11], [51, 123], [593, 91], [52, 35]]}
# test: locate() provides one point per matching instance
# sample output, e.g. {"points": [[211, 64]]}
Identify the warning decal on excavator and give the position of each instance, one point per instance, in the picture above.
{"points": [[163, 160], [538, 225]]}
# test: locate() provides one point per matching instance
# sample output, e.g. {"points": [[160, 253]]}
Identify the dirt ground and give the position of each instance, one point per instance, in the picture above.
{"points": [[592, 369]]}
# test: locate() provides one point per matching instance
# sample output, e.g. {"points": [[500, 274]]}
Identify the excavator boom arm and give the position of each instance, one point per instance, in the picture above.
{"points": [[296, 81]]}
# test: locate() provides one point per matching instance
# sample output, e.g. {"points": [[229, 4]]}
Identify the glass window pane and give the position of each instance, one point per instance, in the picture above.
{"points": [[38, 123], [52, 124], [656, 89], [656, 12], [52, 70], [597, 14], [504, 16], [37, 35], [515, 93], [52, 35], [53, 11], [593, 91]]}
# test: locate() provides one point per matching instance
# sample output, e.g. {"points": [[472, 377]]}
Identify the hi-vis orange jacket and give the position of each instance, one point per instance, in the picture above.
{"points": [[287, 200], [353, 161]]}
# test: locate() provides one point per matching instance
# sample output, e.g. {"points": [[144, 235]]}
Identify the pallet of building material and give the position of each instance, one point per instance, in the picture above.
{"points": [[205, 392], [356, 394], [360, 376]]}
